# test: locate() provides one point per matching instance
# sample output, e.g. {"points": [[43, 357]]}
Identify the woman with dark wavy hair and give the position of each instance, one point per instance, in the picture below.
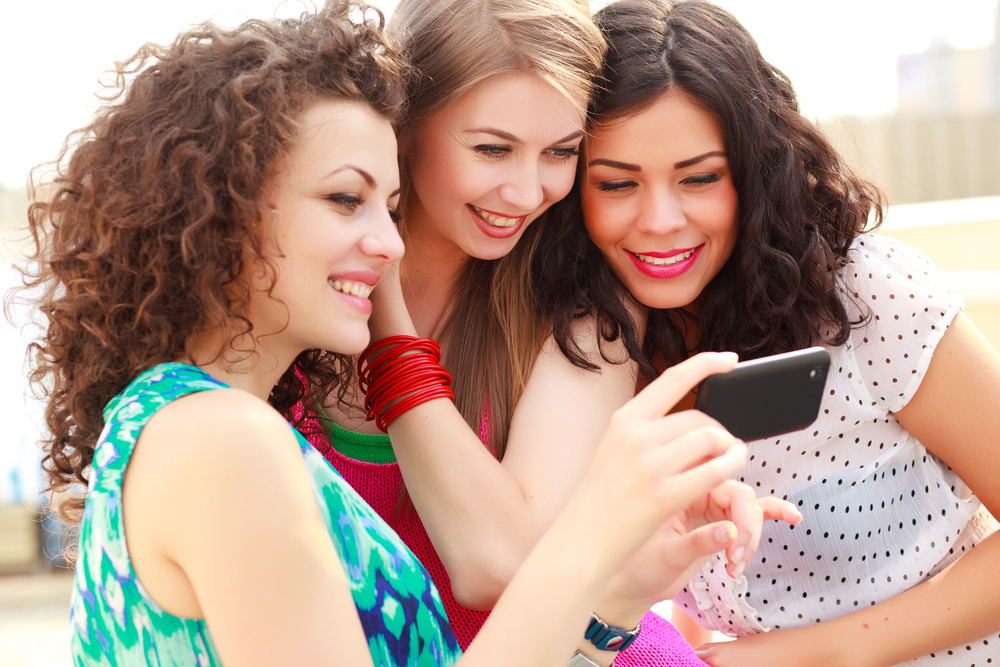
{"points": [[710, 215], [222, 220]]}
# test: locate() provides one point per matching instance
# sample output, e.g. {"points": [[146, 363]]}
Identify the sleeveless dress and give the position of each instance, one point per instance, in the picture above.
{"points": [[113, 619], [367, 461], [881, 513]]}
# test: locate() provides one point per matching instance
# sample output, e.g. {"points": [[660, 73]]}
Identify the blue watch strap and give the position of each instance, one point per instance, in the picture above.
{"points": [[609, 637]]}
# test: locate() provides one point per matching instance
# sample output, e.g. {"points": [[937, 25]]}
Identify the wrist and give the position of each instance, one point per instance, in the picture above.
{"points": [[624, 601], [621, 611]]}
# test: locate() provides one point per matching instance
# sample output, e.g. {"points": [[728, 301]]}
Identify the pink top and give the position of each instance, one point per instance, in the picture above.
{"points": [[659, 644]]}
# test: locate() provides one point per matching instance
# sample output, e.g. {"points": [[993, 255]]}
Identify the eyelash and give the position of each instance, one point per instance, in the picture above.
{"points": [[496, 152], [350, 203], [492, 151], [347, 202], [614, 186], [700, 179], [564, 154]]}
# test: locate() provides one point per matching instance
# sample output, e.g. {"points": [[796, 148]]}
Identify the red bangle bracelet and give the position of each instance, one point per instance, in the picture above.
{"points": [[397, 374], [411, 402]]}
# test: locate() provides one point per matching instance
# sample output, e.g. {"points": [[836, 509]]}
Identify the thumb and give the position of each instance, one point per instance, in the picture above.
{"points": [[706, 540]]}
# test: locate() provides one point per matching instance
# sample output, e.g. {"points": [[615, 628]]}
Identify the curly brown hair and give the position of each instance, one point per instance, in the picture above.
{"points": [[142, 233], [800, 205]]}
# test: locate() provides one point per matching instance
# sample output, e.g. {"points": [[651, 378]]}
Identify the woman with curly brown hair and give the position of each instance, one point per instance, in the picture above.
{"points": [[712, 216], [222, 220]]}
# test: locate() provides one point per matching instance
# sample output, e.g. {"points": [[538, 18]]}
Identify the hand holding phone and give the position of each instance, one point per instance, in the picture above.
{"points": [[766, 397]]}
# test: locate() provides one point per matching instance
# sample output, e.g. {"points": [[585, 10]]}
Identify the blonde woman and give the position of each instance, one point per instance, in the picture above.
{"points": [[490, 140]]}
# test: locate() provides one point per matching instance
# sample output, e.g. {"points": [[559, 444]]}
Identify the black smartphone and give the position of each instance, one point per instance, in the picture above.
{"points": [[765, 397]]}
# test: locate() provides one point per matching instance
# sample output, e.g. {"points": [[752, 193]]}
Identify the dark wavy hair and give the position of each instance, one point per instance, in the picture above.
{"points": [[800, 205], [143, 231]]}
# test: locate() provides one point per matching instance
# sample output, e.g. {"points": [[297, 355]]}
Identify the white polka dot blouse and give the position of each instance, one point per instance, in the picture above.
{"points": [[880, 512]]}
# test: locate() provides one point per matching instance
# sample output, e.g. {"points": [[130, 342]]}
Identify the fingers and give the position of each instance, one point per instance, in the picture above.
{"points": [[677, 381], [688, 486], [690, 438], [739, 503], [775, 509], [707, 540]]}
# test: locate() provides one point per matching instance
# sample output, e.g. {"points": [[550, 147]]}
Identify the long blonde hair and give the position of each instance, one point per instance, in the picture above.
{"points": [[495, 329]]}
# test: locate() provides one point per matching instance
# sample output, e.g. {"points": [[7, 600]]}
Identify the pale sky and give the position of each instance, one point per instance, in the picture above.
{"points": [[840, 54]]}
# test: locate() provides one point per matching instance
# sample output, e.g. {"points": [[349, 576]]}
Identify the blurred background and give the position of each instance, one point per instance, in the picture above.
{"points": [[908, 90]]}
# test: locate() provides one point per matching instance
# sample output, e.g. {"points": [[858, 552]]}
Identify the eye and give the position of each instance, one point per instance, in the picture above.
{"points": [[395, 217], [615, 186], [347, 202], [702, 179], [492, 151], [564, 153]]}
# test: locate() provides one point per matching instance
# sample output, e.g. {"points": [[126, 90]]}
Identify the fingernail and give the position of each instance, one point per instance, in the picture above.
{"points": [[730, 356], [738, 450], [738, 553], [738, 572], [725, 533]]}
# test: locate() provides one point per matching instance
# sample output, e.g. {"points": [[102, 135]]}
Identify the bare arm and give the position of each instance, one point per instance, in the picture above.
{"points": [[954, 414], [222, 524], [242, 533], [482, 516]]}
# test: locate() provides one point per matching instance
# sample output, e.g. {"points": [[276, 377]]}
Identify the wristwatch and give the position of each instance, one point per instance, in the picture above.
{"points": [[610, 637], [580, 660]]}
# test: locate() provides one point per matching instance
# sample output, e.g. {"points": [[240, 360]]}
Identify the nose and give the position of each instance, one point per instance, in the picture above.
{"points": [[383, 239], [661, 212], [523, 189]]}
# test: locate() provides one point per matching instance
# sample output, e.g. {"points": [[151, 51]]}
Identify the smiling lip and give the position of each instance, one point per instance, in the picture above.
{"points": [[665, 270], [494, 231], [354, 287]]}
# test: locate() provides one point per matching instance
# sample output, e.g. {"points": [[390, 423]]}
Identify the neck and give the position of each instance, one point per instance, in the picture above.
{"points": [[256, 372], [432, 269]]}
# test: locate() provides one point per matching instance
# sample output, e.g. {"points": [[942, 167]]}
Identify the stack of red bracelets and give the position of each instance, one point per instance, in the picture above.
{"points": [[399, 373]]}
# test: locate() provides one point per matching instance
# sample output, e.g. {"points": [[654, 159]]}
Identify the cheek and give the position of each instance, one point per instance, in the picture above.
{"points": [[603, 226], [726, 226], [561, 182]]}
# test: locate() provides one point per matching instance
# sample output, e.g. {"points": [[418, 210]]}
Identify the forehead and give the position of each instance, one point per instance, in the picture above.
{"points": [[673, 124], [332, 133], [516, 101]]}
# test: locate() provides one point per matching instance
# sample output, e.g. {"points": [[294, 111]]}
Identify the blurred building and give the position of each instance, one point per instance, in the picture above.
{"points": [[944, 140]]}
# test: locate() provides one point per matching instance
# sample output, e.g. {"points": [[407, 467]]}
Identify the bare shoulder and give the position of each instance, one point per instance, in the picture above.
{"points": [[218, 423], [215, 442], [606, 355]]}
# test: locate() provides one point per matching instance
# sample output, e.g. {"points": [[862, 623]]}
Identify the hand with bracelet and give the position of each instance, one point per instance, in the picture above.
{"points": [[400, 372]]}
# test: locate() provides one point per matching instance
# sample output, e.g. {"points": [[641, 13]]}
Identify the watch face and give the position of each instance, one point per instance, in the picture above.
{"points": [[580, 660]]}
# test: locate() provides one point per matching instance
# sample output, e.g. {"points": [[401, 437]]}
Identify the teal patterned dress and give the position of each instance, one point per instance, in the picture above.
{"points": [[115, 622]]}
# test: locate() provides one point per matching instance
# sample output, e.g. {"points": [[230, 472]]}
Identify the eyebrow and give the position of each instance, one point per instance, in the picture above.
{"points": [[361, 172], [615, 164], [507, 136], [700, 158], [636, 168]]}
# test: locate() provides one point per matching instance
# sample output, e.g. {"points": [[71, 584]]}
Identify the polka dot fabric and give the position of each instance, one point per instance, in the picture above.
{"points": [[880, 513]]}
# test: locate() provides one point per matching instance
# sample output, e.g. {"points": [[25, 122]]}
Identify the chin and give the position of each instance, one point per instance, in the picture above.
{"points": [[495, 250], [660, 299], [348, 342]]}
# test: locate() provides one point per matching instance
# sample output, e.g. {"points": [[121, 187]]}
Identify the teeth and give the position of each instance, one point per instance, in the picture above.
{"points": [[665, 261], [495, 220], [351, 287]]}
